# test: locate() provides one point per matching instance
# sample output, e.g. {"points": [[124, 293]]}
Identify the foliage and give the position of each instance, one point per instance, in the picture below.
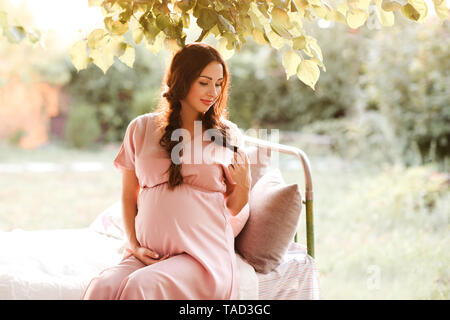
{"points": [[119, 95], [369, 137], [16, 32], [82, 129], [262, 97], [409, 87], [374, 101], [276, 23]]}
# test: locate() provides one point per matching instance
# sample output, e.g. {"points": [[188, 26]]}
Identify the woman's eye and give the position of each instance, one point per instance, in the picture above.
{"points": [[204, 84]]}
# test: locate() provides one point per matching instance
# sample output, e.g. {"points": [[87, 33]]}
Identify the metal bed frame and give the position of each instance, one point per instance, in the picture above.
{"points": [[308, 202]]}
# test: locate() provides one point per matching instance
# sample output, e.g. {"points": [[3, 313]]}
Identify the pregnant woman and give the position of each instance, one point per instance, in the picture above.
{"points": [[177, 194]]}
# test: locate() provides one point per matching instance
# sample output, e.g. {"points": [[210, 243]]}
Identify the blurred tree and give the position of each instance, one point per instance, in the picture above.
{"points": [[409, 85]]}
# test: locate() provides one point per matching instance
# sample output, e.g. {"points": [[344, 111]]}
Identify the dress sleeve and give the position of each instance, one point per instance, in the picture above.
{"points": [[126, 156]]}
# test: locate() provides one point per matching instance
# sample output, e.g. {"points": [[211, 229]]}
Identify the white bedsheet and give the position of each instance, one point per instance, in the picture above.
{"points": [[295, 278], [58, 264]]}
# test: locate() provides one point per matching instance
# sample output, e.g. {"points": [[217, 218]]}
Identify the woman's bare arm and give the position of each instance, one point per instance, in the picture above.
{"points": [[236, 198], [237, 195], [130, 192]]}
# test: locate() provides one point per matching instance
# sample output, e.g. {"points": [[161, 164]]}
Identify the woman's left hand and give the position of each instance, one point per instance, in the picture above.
{"points": [[240, 170]]}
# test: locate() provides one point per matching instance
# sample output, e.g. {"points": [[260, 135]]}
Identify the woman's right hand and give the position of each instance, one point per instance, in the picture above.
{"points": [[147, 256]]}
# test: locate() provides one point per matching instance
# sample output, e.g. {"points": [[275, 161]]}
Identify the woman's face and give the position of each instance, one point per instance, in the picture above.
{"points": [[205, 89]]}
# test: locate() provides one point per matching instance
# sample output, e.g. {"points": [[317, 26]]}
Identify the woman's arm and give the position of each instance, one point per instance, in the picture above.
{"points": [[130, 192], [237, 194], [236, 198]]}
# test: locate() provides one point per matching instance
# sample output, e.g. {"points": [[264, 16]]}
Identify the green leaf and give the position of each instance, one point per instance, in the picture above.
{"points": [[185, 5], [386, 18], [441, 9], [225, 25], [215, 31], [171, 45], [207, 18], [128, 56], [79, 56], [157, 43], [275, 40], [149, 26], [259, 37], [301, 5], [312, 49], [117, 45], [280, 19], [282, 32], [224, 51], [299, 43], [415, 10], [138, 33], [103, 58], [34, 35], [115, 27], [356, 18], [308, 72], [95, 3], [297, 26], [16, 34], [264, 8], [3, 19], [258, 19], [391, 5], [281, 3], [163, 22], [97, 38], [231, 40], [185, 18], [290, 61]]}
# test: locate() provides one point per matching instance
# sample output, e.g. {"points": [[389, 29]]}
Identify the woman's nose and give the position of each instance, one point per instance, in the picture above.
{"points": [[214, 92]]}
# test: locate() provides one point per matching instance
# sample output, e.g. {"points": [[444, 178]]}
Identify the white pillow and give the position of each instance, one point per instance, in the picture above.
{"points": [[110, 222]]}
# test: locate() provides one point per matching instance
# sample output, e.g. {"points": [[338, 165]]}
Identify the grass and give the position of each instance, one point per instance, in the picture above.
{"points": [[381, 232], [54, 200]]}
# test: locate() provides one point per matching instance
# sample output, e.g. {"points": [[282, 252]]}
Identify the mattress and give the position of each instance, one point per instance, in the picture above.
{"points": [[295, 278], [58, 265]]}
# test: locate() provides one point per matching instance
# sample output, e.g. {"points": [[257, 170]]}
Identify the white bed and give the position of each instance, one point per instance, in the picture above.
{"points": [[58, 264]]}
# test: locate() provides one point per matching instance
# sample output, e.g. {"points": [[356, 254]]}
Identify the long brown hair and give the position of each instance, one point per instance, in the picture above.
{"points": [[184, 69]]}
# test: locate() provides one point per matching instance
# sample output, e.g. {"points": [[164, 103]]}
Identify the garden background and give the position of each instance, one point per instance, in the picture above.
{"points": [[376, 130]]}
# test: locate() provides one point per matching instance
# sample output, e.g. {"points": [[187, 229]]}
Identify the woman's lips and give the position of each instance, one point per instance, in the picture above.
{"points": [[207, 102]]}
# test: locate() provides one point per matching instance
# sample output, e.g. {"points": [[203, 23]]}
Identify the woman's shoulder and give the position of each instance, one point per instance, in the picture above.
{"points": [[229, 124], [149, 116], [145, 120]]}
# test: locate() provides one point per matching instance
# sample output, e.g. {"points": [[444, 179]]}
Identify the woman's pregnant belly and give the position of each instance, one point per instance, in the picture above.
{"points": [[188, 219]]}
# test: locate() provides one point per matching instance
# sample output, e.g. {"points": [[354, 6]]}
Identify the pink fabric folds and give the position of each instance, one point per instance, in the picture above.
{"points": [[190, 223]]}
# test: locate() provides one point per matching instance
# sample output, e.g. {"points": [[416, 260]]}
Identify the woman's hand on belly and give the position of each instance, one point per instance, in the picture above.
{"points": [[147, 256]]}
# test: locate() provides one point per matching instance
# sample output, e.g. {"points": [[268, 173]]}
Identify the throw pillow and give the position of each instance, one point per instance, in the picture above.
{"points": [[274, 215]]}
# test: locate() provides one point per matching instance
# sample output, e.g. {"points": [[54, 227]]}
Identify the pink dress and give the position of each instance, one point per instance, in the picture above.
{"points": [[191, 222]]}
